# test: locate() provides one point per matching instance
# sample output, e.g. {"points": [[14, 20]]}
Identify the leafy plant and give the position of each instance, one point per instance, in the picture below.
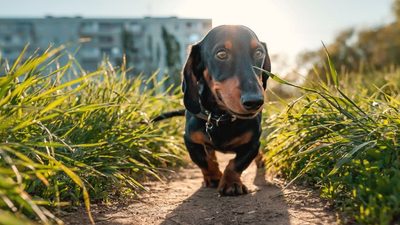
{"points": [[82, 138], [343, 139]]}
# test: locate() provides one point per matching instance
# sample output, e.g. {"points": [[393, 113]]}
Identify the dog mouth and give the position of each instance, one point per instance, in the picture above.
{"points": [[219, 96], [244, 115], [236, 114]]}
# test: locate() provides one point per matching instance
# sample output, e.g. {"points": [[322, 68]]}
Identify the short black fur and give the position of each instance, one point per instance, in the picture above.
{"points": [[199, 99]]}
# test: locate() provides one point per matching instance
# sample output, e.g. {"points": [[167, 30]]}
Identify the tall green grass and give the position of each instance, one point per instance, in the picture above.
{"points": [[343, 138], [65, 141], [68, 136]]}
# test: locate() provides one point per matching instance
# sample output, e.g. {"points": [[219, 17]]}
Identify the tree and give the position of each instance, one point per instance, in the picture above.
{"points": [[127, 46], [365, 51], [172, 56], [396, 9]]}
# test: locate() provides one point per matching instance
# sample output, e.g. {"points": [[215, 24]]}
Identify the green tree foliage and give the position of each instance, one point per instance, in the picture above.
{"points": [[172, 56], [362, 51], [128, 46], [396, 9]]}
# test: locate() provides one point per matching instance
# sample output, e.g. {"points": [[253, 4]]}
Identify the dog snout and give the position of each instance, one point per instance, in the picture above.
{"points": [[252, 102]]}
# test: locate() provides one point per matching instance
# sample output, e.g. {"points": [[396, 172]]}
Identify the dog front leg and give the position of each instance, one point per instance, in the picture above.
{"points": [[207, 161], [231, 183]]}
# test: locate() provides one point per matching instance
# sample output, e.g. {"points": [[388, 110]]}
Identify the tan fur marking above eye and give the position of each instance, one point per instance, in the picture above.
{"points": [[242, 139], [228, 44], [254, 43]]}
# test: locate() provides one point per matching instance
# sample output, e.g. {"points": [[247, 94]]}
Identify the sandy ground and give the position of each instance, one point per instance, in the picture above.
{"points": [[183, 200]]}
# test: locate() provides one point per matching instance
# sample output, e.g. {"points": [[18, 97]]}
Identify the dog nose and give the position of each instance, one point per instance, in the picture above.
{"points": [[252, 102]]}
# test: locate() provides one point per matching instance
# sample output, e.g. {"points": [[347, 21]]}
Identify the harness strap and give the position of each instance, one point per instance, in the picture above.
{"points": [[213, 121]]}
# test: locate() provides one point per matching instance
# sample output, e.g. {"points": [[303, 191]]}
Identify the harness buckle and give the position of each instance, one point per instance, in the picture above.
{"points": [[217, 121], [209, 126]]}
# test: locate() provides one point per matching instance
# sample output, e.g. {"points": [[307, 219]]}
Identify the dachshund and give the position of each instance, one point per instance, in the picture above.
{"points": [[224, 90]]}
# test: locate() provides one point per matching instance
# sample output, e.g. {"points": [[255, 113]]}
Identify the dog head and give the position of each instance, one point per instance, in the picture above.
{"points": [[226, 60]]}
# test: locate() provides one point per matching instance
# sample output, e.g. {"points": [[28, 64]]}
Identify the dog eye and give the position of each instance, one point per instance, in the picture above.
{"points": [[222, 55], [259, 54]]}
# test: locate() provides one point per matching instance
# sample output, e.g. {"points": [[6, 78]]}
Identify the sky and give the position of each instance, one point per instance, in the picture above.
{"points": [[287, 26]]}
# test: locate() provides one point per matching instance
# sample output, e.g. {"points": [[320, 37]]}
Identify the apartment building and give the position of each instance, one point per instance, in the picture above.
{"points": [[147, 42]]}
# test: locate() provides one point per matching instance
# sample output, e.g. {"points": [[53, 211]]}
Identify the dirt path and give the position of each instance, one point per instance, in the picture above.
{"points": [[182, 200]]}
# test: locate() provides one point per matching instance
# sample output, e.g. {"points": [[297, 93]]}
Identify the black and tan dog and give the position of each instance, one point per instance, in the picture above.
{"points": [[224, 95]]}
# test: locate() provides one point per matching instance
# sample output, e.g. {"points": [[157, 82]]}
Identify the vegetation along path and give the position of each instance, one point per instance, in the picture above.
{"points": [[182, 200]]}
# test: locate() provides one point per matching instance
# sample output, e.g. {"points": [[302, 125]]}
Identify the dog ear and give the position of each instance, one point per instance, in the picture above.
{"points": [[191, 74], [266, 66]]}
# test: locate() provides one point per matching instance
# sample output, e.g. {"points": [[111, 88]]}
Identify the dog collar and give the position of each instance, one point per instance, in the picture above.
{"points": [[213, 120]]}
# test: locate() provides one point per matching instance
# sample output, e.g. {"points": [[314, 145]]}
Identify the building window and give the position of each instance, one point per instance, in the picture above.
{"points": [[23, 27], [106, 51], [106, 39], [7, 38], [188, 24], [90, 52], [85, 38], [136, 28], [108, 26], [89, 26]]}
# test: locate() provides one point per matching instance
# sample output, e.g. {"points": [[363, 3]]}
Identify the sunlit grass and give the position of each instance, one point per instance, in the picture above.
{"points": [[66, 142], [71, 141], [343, 138]]}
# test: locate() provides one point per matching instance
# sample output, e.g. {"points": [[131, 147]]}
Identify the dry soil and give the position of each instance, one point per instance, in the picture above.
{"points": [[181, 199]]}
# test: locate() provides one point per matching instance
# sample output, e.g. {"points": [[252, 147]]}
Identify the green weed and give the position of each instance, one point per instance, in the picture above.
{"points": [[343, 138], [63, 141]]}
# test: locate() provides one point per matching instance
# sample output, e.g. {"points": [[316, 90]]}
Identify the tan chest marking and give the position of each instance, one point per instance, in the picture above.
{"points": [[242, 139], [199, 137]]}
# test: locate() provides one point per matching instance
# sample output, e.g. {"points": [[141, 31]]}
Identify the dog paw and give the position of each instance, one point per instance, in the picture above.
{"points": [[211, 176], [210, 183], [232, 189]]}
